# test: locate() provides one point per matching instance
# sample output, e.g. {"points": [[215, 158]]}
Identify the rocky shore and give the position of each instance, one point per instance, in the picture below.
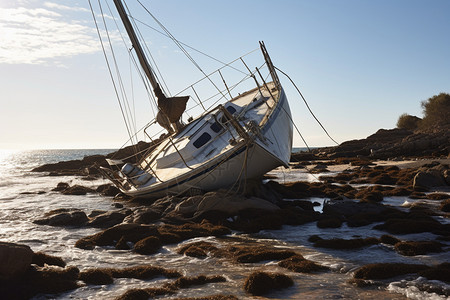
{"points": [[362, 174]]}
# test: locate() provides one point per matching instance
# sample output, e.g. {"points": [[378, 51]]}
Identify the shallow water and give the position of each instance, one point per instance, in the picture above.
{"points": [[19, 210]]}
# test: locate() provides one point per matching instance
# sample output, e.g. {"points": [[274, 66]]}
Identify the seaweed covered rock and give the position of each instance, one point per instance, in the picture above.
{"points": [[411, 248], [110, 236], [41, 259], [387, 270], [344, 244], [149, 245], [96, 276], [198, 249], [186, 282], [260, 283], [299, 264], [254, 254]]}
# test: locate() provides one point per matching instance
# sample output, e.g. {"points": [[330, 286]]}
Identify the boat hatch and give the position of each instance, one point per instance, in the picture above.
{"points": [[203, 139]]}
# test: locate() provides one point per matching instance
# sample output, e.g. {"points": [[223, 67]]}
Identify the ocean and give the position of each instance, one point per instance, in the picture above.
{"points": [[26, 196]]}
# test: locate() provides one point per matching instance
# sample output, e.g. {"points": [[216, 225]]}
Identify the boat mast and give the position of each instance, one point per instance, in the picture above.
{"points": [[139, 51]]}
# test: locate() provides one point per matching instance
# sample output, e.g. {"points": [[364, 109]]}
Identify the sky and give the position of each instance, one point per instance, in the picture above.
{"points": [[359, 64]]}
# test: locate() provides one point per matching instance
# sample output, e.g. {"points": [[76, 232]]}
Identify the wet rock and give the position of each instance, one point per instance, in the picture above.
{"points": [[372, 197], [398, 191], [108, 190], [440, 272], [96, 276], [445, 206], [428, 177], [329, 223], [349, 208], [65, 218], [254, 254], [438, 196], [149, 245], [96, 212], [388, 239], [319, 168], [77, 190], [344, 244], [213, 297], [387, 270], [260, 283], [418, 248], [299, 264], [109, 237], [142, 272], [109, 218], [186, 282], [37, 280], [144, 294], [61, 187], [122, 244], [197, 249], [143, 215], [252, 221], [15, 260], [41, 259], [220, 201], [192, 230], [410, 225]]}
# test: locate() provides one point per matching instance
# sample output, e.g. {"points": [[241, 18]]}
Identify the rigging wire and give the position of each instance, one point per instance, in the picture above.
{"points": [[119, 77], [136, 65], [109, 69], [180, 47], [306, 103], [154, 65], [186, 45]]}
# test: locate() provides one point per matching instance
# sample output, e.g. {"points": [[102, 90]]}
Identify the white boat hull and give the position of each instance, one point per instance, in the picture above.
{"points": [[243, 161]]}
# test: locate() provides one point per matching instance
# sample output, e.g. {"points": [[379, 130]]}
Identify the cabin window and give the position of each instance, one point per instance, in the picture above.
{"points": [[231, 109], [202, 140], [216, 127]]}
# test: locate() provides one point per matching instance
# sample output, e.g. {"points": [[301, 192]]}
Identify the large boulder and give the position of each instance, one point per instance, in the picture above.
{"points": [[15, 260], [432, 175], [218, 201]]}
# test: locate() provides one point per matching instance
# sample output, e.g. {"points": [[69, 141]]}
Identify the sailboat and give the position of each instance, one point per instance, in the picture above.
{"points": [[240, 139]]}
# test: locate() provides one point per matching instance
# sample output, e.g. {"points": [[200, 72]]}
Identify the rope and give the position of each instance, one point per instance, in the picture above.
{"points": [[306, 103]]}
